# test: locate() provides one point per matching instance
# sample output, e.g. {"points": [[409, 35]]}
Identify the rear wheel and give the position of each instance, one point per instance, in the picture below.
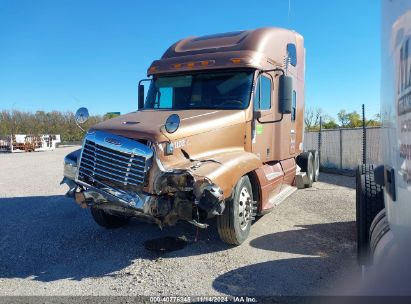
{"points": [[106, 220], [235, 222], [379, 228], [369, 202], [305, 162], [316, 165]]}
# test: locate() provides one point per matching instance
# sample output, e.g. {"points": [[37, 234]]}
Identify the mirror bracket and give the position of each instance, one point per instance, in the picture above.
{"points": [[273, 70], [285, 90], [141, 93], [270, 121]]}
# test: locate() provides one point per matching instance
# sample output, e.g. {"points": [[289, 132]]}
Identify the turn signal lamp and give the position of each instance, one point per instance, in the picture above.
{"points": [[236, 60], [169, 149]]}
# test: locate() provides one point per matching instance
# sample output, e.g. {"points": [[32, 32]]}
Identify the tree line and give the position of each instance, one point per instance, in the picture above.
{"points": [[63, 123], [41, 122], [344, 120]]}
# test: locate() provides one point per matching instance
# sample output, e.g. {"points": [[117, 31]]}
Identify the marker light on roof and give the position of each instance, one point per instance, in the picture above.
{"points": [[192, 64], [236, 60]]}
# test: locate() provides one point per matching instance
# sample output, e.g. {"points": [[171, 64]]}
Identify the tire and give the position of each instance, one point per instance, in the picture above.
{"points": [[233, 225], [316, 165], [366, 169], [379, 228], [369, 202], [305, 162], [107, 220]]}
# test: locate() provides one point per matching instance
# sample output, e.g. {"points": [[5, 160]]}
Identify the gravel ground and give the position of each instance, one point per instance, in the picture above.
{"points": [[50, 246]]}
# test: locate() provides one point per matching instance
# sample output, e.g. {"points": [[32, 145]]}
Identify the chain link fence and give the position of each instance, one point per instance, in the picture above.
{"points": [[343, 148]]}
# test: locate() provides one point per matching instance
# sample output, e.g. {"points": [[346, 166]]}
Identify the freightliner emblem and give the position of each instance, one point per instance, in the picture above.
{"points": [[112, 141]]}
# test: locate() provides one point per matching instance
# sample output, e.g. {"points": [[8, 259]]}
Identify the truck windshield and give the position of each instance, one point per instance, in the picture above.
{"points": [[216, 90]]}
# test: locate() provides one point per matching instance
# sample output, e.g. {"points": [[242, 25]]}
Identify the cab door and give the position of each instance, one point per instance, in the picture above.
{"points": [[263, 133]]}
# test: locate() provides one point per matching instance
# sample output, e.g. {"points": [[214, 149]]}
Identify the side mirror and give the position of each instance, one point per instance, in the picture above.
{"points": [[285, 94], [82, 115], [140, 96]]}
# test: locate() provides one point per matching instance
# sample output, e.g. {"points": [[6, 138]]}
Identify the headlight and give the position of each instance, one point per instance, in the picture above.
{"points": [[70, 164]]}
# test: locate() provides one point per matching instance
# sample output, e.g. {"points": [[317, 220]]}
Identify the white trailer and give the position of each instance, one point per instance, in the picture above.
{"points": [[384, 191]]}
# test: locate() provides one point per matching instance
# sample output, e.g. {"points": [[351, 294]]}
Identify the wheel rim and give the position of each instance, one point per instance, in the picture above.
{"points": [[310, 169], [317, 167], [244, 208]]}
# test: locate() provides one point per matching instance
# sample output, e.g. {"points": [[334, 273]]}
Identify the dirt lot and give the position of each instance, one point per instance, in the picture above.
{"points": [[49, 246]]}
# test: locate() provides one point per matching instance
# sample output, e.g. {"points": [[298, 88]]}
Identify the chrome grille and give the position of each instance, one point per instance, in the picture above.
{"points": [[105, 164]]}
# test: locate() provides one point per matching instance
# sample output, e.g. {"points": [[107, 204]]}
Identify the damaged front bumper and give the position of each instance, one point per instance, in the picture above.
{"points": [[178, 195]]}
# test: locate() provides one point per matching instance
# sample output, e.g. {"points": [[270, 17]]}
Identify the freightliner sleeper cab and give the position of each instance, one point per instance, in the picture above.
{"points": [[218, 132]]}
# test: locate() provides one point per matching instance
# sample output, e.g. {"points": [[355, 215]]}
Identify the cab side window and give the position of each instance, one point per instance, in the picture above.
{"points": [[292, 53], [262, 97]]}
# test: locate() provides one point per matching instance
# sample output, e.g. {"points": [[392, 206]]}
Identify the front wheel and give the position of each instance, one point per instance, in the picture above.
{"points": [[235, 222], [107, 220]]}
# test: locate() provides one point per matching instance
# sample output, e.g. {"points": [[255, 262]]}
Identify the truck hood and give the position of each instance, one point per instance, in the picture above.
{"points": [[146, 124]]}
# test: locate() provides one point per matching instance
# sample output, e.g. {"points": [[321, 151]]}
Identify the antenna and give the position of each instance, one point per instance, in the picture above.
{"points": [[76, 99], [289, 11]]}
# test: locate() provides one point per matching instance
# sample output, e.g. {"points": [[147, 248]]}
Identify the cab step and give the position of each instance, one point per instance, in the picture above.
{"points": [[280, 197]]}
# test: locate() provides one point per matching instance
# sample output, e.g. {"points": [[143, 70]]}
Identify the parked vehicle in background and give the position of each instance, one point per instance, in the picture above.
{"points": [[220, 133], [384, 191], [29, 143]]}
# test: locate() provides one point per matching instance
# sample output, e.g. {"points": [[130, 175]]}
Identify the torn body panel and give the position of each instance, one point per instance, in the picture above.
{"points": [[211, 178], [190, 193], [227, 168]]}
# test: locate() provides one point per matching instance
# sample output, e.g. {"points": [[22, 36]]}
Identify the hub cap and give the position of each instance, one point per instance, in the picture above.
{"points": [[244, 208]]}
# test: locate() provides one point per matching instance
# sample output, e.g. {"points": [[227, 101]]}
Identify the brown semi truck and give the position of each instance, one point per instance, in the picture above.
{"points": [[219, 133]]}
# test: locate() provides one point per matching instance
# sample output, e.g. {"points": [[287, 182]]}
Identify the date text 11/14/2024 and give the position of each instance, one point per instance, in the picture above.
{"points": [[213, 299]]}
